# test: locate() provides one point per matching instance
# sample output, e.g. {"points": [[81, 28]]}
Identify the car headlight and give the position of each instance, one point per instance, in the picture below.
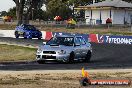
{"points": [[39, 50], [62, 52]]}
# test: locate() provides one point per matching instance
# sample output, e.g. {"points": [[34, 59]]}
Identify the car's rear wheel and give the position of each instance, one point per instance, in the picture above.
{"points": [[88, 56], [16, 34], [71, 58]]}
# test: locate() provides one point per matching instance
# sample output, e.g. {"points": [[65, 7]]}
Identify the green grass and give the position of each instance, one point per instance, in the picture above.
{"points": [[16, 53]]}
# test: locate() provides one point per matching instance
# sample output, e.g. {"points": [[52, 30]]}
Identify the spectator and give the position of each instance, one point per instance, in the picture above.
{"points": [[71, 23], [109, 22]]}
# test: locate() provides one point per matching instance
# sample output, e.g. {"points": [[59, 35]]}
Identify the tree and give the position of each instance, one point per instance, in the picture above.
{"points": [[24, 9], [40, 14], [3, 13], [19, 10], [57, 7], [12, 12], [64, 8], [78, 2], [128, 0]]}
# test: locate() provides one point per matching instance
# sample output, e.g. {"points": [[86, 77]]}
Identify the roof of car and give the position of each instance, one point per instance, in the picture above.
{"points": [[27, 25], [67, 36]]}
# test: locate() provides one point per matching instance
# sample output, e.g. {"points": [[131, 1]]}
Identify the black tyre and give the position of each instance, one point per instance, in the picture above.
{"points": [[30, 38], [88, 56], [41, 62], [39, 38], [24, 35], [16, 34], [71, 58]]}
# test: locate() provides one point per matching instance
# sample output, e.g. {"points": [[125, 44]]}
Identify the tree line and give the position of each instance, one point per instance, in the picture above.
{"points": [[26, 10]]}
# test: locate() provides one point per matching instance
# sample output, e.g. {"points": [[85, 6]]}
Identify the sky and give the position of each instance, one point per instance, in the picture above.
{"points": [[5, 5]]}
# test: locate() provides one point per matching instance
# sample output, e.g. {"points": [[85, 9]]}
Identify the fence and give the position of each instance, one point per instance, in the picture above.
{"points": [[80, 25]]}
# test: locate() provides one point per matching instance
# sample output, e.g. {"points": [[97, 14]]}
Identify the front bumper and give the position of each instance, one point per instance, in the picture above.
{"points": [[52, 57]]}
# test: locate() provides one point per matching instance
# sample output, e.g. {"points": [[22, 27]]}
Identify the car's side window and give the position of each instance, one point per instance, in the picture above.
{"points": [[77, 41], [83, 41], [80, 41]]}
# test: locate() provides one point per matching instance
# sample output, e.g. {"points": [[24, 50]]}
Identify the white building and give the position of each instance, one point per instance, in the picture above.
{"points": [[119, 11]]}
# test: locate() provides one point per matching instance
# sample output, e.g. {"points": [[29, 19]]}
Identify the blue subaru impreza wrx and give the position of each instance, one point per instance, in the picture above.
{"points": [[27, 31]]}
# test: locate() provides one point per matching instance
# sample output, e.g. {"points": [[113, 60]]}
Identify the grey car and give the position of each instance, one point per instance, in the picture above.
{"points": [[64, 48]]}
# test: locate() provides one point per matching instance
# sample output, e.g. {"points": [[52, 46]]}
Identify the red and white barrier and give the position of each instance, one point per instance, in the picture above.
{"points": [[96, 38], [7, 33]]}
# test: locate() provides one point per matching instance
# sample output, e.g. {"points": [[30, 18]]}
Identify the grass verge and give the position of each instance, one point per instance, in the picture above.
{"points": [[16, 53]]}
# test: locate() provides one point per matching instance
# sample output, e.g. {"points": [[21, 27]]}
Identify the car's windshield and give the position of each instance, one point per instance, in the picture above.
{"points": [[67, 41]]}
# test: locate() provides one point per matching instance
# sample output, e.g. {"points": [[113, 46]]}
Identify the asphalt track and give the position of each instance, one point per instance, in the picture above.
{"points": [[105, 56]]}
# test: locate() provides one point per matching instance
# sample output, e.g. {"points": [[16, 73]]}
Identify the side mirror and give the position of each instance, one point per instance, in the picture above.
{"points": [[44, 43]]}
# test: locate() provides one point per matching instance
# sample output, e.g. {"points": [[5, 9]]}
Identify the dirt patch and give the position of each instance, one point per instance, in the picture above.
{"points": [[57, 79]]}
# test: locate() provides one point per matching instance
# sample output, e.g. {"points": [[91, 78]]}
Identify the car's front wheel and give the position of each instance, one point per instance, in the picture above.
{"points": [[71, 57], [24, 35], [88, 56], [16, 34]]}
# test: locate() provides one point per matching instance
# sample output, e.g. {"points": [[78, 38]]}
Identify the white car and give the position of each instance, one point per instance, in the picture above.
{"points": [[64, 48]]}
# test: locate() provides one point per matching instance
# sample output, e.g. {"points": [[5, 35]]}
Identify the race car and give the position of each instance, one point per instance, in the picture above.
{"points": [[64, 48], [27, 31]]}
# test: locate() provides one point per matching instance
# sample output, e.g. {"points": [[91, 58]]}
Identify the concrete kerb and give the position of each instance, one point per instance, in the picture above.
{"points": [[7, 33]]}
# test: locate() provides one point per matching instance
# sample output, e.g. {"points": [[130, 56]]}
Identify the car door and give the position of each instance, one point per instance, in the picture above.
{"points": [[83, 47], [77, 48]]}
